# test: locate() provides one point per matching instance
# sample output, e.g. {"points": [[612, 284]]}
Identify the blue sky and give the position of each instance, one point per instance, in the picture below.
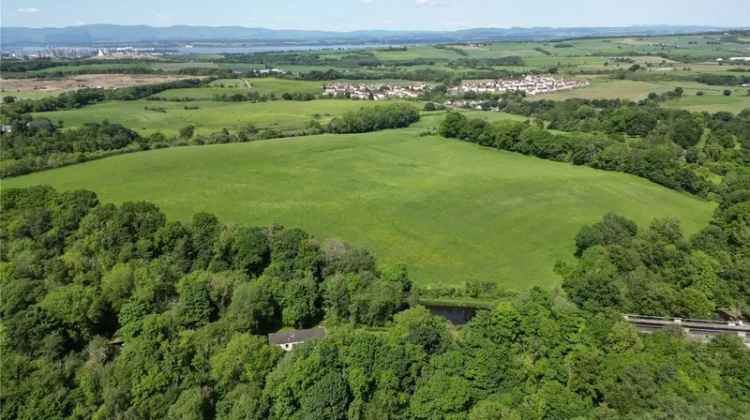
{"points": [[343, 15]]}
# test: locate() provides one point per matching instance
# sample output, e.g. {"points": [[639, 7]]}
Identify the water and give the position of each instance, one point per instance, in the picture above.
{"points": [[206, 49], [249, 49], [456, 315]]}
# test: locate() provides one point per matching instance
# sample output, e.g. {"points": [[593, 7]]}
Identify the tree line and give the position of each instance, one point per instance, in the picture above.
{"points": [[88, 96], [378, 117], [54, 69], [115, 312], [660, 272], [655, 158], [38, 144]]}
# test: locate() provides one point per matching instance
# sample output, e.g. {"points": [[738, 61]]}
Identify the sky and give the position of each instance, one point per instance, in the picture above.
{"points": [[347, 15]]}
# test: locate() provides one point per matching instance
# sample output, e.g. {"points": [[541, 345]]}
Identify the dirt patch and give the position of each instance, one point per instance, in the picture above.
{"points": [[106, 81]]}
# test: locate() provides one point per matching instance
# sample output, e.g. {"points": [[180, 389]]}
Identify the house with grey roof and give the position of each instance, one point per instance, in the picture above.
{"points": [[288, 339]]}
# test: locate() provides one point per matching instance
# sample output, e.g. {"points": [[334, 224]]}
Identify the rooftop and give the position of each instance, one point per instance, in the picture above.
{"points": [[296, 336]]}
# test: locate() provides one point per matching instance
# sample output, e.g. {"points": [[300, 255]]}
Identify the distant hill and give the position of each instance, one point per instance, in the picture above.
{"points": [[118, 34]]}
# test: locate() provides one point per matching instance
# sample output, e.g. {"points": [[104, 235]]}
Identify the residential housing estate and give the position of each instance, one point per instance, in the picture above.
{"points": [[377, 92], [531, 85]]}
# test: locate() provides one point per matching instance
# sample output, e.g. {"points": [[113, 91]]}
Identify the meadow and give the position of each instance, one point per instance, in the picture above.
{"points": [[210, 117], [449, 210], [713, 100], [263, 86], [605, 88]]}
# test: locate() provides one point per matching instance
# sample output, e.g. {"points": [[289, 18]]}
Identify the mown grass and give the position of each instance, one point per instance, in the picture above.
{"points": [[210, 117], [451, 211]]}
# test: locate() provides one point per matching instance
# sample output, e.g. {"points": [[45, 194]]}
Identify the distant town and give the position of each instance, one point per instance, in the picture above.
{"points": [[375, 92], [532, 85]]}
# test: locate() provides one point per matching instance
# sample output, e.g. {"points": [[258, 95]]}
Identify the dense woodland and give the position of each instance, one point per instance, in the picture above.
{"points": [[658, 271], [664, 146], [114, 312]]}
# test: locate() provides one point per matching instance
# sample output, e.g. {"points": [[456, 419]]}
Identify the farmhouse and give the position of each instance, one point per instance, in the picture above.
{"points": [[288, 339], [531, 85]]}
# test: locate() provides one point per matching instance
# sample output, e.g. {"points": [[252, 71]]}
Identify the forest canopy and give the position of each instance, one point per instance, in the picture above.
{"points": [[115, 312]]}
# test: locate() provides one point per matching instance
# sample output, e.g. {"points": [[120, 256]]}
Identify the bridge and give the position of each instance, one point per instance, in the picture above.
{"points": [[698, 329]]}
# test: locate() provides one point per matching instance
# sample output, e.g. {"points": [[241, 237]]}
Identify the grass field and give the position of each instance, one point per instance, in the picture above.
{"points": [[233, 86], [603, 88], [451, 211], [212, 116], [713, 100], [29, 94], [92, 67]]}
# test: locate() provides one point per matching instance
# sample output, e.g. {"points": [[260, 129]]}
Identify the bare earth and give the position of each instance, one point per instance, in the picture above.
{"points": [[85, 81]]}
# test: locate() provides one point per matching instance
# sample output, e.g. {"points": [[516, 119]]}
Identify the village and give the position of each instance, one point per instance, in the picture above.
{"points": [[532, 85], [377, 92]]}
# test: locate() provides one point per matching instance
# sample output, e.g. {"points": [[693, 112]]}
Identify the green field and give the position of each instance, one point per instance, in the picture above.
{"points": [[30, 94], [451, 211], [601, 88], [212, 116], [713, 100], [228, 87], [92, 67]]}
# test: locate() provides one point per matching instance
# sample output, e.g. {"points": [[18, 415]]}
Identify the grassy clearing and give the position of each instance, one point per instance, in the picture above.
{"points": [[451, 211], [210, 117]]}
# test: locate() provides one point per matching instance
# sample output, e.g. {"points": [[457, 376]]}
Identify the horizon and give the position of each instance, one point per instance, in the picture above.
{"points": [[376, 29], [387, 15]]}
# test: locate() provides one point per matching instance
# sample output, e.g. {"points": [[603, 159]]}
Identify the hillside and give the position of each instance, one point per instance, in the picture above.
{"points": [[210, 116], [101, 33], [451, 211]]}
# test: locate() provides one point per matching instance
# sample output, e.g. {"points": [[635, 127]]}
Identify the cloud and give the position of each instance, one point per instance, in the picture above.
{"points": [[367, 1], [28, 10], [431, 3]]}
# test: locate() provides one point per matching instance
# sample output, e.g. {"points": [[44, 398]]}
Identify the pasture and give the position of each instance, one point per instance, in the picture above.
{"points": [[449, 210], [210, 117], [713, 100], [229, 87], [603, 88]]}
